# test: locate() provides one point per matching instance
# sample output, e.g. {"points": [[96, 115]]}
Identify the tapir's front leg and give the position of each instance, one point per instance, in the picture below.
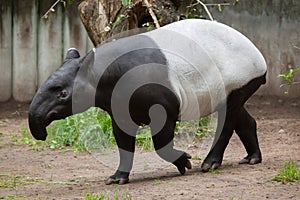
{"points": [[126, 146], [164, 147]]}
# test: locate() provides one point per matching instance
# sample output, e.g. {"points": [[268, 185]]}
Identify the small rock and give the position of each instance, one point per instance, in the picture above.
{"points": [[294, 104], [281, 131], [266, 103]]}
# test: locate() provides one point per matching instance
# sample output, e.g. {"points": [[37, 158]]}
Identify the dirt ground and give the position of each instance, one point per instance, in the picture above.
{"points": [[65, 174]]}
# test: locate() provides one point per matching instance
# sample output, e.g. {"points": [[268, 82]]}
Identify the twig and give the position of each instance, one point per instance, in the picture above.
{"points": [[295, 46], [206, 10], [51, 9], [289, 84], [151, 12], [217, 4], [210, 4]]}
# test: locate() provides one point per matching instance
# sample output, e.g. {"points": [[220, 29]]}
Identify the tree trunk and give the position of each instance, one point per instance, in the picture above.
{"points": [[106, 18]]}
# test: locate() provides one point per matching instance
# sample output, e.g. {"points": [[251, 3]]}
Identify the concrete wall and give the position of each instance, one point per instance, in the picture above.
{"points": [[274, 27], [5, 50], [31, 47], [24, 49]]}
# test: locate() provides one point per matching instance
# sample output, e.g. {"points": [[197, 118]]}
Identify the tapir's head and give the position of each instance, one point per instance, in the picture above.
{"points": [[53, 100]]}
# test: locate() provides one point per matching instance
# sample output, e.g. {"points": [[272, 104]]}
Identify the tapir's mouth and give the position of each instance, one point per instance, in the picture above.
{"points": [[41, 135], [37, 127]]}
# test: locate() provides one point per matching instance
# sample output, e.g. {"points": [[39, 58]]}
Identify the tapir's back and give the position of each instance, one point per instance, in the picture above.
{"points": [[207, 60], [202, 61]]}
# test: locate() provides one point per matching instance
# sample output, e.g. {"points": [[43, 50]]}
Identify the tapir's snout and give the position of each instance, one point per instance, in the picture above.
{"points": [[37, 127]]}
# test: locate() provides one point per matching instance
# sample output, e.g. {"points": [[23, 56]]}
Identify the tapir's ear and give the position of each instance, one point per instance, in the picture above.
{"points": [[72, 53]]}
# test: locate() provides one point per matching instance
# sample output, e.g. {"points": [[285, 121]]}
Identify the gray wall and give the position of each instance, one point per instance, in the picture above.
{"points": [[274, 27], [31, 48]]}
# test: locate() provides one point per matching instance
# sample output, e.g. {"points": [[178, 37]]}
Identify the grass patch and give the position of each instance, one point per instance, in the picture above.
{"points": [[196, 157], [84, 132], [214, 171], [92, 130], [1, 135], [234, 198], [13, 197], [13, 181], [106, 196], [197, 127], [27, 139], [290, 173], [144, 139]]}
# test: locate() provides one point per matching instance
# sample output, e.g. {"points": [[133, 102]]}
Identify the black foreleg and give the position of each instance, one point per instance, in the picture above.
{"points": [[164, 146], [126, 147]]}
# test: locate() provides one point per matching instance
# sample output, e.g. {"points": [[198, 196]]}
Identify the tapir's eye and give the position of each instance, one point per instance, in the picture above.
{"points": [[62, 94]]}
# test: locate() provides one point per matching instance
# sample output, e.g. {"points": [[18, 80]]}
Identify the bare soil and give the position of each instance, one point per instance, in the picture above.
{"points": [[65, 174]]}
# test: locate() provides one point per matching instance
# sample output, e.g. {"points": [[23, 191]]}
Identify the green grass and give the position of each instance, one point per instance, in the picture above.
{"points": [[288, 76], [196, 157], [290, 173], [234, 198], [197, 127], [144, 139], [12, 181], [13, 197], [105, 196], [27, 139], [214, 171], [92, 130], [1, 135], [84, 132]]}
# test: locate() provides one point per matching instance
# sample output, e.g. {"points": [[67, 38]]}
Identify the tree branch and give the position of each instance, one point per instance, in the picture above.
{"points": [[206, 10], [210, 4], [295, 46], [149, 7], [51, 9]]}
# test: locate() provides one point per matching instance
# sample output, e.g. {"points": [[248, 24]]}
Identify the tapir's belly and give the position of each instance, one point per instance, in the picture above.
{"points": [[199, 92]]}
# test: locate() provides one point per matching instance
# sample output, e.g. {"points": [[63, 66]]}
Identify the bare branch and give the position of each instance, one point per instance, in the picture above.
{"points": [[149, 7], [206, 10], [218, 4], [210, 4], [296, 47], [51, 9]]}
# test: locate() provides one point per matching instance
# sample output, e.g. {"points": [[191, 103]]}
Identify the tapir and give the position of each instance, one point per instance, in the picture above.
{"points": [[182, 71]]}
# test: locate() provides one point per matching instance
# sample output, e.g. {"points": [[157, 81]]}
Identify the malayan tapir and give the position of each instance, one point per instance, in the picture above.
{"points": [[182, 71]]}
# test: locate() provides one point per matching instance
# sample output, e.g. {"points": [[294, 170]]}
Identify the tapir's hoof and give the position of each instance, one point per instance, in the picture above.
{"points": [[120, 181], [118, 178], [183, 162], [208, 166], [253, 159]]}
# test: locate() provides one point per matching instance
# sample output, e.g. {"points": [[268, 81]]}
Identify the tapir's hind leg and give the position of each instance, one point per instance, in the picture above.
{"points": [[164, 146], [235, 117], [246, 130], [225, 128]]}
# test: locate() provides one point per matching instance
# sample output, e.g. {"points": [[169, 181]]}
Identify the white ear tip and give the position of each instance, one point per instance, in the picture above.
{"points": [[72, 53], [72, 48]]}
